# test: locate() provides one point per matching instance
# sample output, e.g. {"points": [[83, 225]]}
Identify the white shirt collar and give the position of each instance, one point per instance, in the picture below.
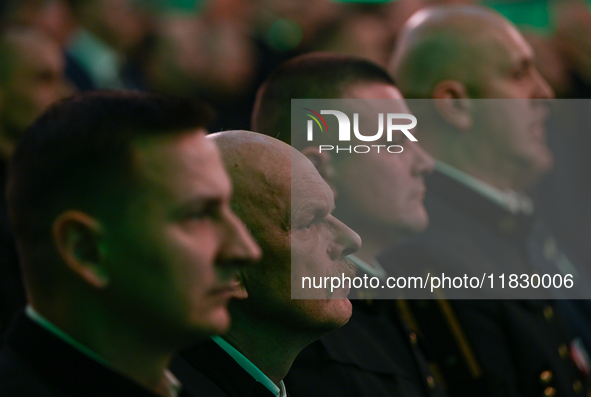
{"points": [[511, 200], [249, 367], [373, 268], [172, 384]]}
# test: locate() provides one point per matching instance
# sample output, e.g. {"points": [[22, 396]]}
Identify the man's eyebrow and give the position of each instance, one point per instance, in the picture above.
{"points": [[525, 62], [201, 203]]}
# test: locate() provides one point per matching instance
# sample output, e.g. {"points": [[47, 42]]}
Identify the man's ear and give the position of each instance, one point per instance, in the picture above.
{"points": [[322, 161], [453, 104], [77, 237]]}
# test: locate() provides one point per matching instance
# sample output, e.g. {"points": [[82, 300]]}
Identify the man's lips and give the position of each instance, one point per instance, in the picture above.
{"points": [[419, 194], [538, 131], [226, 289]]}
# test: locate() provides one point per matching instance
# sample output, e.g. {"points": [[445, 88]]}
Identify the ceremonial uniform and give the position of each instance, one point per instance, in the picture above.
{"points": [[513, 348], [374, 354]]}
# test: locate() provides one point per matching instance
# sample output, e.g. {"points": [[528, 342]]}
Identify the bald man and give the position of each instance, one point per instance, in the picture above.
{"points": [[486, 131], [287, 207]]}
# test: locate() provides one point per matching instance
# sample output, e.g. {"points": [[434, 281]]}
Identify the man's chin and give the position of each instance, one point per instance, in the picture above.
{"points": [[416, 221], [217, 322], [343, 311]]}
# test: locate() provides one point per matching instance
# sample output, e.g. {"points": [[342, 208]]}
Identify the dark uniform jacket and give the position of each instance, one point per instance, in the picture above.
{"points": [[35, 363], [493, 347], [374, 354], [225, 376]]}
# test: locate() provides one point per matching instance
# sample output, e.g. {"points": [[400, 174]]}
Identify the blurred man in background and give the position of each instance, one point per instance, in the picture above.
{"points": [[486, 129]]}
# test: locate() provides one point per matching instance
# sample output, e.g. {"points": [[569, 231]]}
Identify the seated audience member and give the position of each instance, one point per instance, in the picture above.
{"points": [[100, 52], [287, 207], [31, 79], [381, 196], [488, 152], [128, 246]]}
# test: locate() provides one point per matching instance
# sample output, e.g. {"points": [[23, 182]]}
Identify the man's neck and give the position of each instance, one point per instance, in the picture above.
{"points": [[483, 165], [271, 350]]}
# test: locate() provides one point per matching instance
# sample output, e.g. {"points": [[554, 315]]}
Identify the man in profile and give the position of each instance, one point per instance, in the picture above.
{"points": [[486, 129], [128, 246], [381, 196], [287, 207]]}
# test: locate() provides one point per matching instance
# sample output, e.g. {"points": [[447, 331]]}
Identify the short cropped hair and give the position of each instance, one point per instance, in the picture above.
{"points": [[320, 75], [79, 155]]}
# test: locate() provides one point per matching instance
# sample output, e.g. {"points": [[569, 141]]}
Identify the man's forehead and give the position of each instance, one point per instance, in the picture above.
{"points": [[259, 167], [502, 44], [151, 147], [306, 182], [168, 159]]}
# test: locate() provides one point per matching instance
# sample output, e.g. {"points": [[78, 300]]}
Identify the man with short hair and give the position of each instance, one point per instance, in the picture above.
{"points": [[380, 195], [486, 129], [128, 246], [288, 208]]}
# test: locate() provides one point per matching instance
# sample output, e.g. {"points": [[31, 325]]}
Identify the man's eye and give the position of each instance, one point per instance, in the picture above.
{"points": [[196, 215], [207, 212], [313, 222], [519, 73]]}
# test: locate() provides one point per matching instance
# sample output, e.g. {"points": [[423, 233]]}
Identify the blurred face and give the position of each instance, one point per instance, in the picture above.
{"points": [[383, 189], [513, 125], [36, 81], [177, 252], [315, 245], [119, 22]]}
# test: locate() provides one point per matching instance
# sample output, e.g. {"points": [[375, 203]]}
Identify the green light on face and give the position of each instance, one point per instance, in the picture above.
{"points": [[284, 35]]}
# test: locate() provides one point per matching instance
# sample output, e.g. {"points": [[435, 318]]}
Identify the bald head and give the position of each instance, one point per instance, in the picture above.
{"points": [[260, 169], [449, 43]]}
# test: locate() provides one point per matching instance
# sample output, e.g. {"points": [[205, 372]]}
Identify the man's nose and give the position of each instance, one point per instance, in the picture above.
{"points": [[424, 163], [346, 241], [543, 90], [239, 246]]}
